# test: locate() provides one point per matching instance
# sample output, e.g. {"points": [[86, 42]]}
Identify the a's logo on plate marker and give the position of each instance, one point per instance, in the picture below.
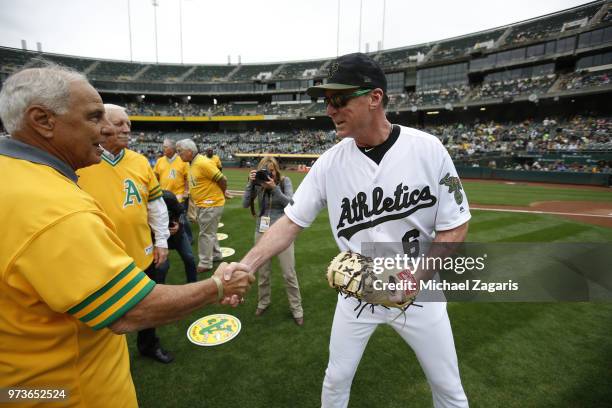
{"points": [[214, 330]]}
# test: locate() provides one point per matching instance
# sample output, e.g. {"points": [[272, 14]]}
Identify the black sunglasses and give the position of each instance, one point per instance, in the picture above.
{"points": [[340, 100]]}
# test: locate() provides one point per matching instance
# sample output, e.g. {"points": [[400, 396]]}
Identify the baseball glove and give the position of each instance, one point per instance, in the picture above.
{"points": [[353, 275]]}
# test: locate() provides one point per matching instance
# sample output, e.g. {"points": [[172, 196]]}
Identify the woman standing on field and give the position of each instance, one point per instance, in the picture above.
{"points": [[273, 192]]}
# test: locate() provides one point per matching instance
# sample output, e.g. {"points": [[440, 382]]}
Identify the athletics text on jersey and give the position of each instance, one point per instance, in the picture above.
{"points": [[413, 192]]}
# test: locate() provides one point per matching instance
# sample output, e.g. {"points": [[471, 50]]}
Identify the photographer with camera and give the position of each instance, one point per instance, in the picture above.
{"points": [[273, 192]]}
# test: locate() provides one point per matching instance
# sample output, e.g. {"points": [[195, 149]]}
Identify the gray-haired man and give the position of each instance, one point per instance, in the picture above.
{"points": [[208, 190], [68, 286]]}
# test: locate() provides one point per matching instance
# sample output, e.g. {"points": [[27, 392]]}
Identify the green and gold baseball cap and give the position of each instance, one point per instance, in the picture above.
{"points": [[351, 72]]}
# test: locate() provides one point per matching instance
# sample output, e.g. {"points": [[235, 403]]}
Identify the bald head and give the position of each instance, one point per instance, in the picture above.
{"points": [[121, 125], [169, 147]]}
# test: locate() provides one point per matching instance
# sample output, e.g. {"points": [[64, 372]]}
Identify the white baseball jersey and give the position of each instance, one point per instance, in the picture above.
{"points": [[412, 193]]}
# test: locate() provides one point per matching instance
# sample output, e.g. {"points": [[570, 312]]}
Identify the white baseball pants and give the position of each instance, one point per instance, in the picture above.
{"points": [[426, 329]]}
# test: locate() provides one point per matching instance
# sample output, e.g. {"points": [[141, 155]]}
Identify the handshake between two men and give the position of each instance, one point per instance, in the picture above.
{"points": [[169, 303], [233, 282]]}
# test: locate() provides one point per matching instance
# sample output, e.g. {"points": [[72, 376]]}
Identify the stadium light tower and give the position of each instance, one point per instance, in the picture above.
{"points": [[181, 26], [360, 14], [155, 5], [382, 41], [338, 32], [129, 15]]}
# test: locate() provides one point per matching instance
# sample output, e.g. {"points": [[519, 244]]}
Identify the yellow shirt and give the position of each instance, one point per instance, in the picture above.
{"points": [[203, 187], [124, 187], [172, 174], [64, 277], [215, 159]]}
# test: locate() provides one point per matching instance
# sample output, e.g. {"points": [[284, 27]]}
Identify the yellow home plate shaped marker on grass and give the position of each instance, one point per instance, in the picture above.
{"points": [[214, 330], [225, 251], [221, 236]]}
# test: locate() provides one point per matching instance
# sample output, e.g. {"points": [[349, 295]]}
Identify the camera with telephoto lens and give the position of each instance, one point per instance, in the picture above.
{"points": [[262, 176]]}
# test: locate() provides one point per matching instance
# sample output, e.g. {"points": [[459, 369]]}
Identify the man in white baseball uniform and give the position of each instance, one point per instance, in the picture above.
{"points": [[381, 183]]}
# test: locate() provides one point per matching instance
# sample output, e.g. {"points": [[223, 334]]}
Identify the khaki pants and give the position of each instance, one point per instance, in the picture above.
{"points": [[192, 211], [287, 264], [208, 246]]}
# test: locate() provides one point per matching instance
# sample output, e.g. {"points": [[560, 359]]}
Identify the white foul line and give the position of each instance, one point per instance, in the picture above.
{"points": [[541, 212]]}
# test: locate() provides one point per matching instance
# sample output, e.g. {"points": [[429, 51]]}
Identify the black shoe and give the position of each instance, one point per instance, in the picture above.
{"points": [[160, 355]]}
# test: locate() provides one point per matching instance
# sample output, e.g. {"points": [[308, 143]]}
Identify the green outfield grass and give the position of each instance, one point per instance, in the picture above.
{"points": [[479, 193], [523, 194], [510, 355]]}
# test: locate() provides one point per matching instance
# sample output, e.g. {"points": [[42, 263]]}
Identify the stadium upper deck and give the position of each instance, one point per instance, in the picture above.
{"points": [[562, 54]]}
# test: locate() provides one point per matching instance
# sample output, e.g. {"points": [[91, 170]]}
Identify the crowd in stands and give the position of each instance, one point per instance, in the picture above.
{"points": [[291, 109], [461, 46], [585, 79], [542, 28], [231, 109], [514, 87], [601, 166], [465, 142], [298, 69], [430, 97], [170, 109], [396, 58], [526, 35], [225, 109], [227, 144], [502, 89], [578, 134]]}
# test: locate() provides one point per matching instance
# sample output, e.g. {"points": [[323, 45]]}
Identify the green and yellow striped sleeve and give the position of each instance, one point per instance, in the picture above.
{"points": [[112, 301], [218, 176], [155, 193]]}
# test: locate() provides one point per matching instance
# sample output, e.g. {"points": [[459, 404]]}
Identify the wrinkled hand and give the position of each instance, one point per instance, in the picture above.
{"points": [[173, 228], [159, 255], [226, 271], [236, 279], [232, 301]]}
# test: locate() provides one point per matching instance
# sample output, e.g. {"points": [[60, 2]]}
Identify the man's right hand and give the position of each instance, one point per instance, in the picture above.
{"points": [[236, 279]]}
